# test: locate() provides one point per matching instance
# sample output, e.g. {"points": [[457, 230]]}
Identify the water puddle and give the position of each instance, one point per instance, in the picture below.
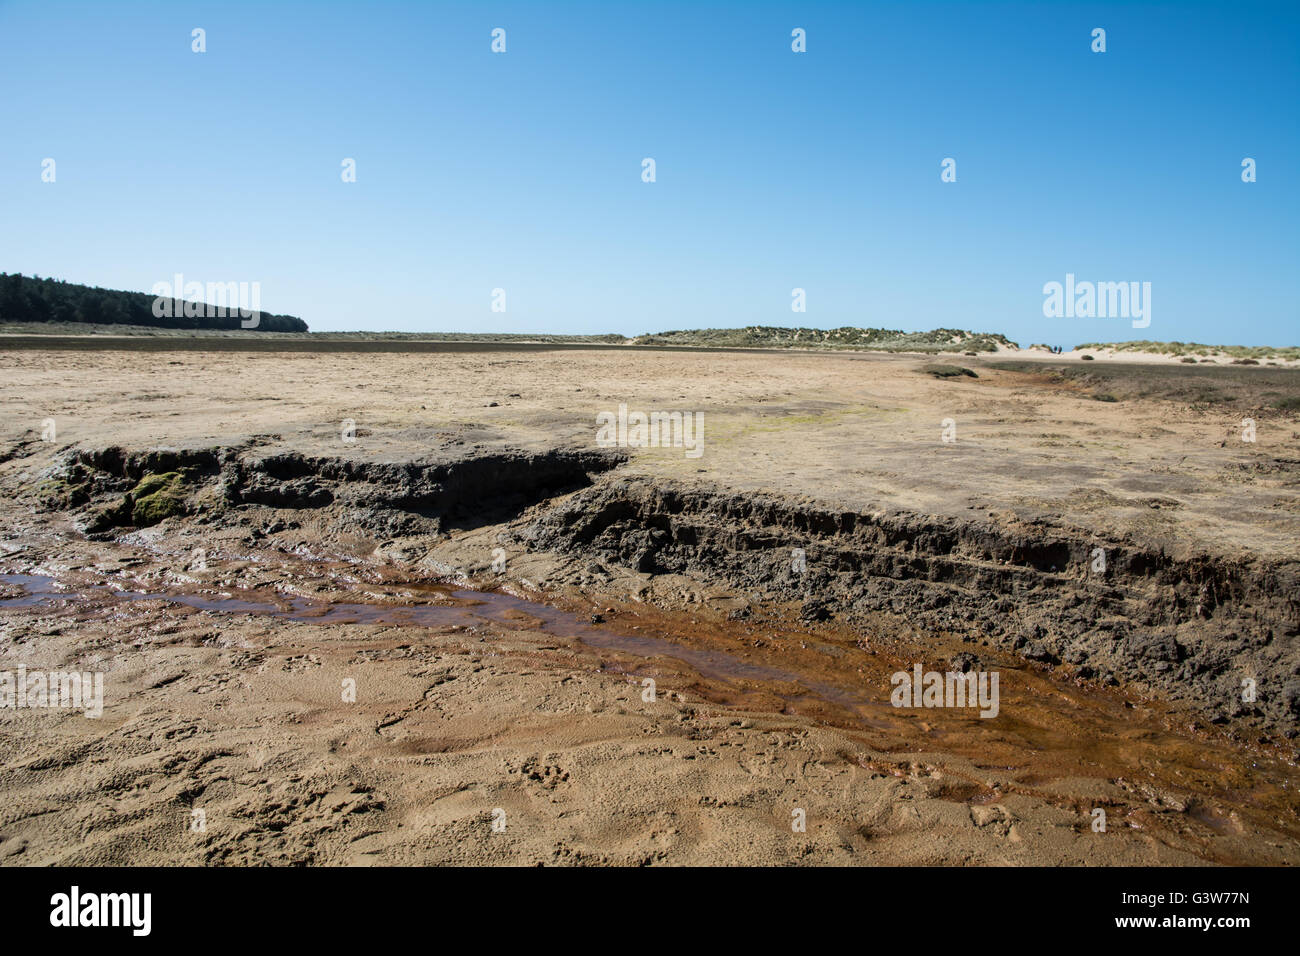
{"points": [[463, 609]]}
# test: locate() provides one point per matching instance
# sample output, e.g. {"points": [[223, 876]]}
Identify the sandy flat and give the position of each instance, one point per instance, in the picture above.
{"points": [[459, 725]]}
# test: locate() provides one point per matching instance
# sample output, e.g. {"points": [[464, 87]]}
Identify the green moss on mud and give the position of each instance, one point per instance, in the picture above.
{"points": [[157, 497]]}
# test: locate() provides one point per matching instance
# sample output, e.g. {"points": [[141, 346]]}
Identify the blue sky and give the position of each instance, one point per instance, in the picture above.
{"points": [[775, 170]]}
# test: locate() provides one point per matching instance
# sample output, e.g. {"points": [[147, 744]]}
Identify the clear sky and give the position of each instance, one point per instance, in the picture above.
{"points": [[774, 169]]}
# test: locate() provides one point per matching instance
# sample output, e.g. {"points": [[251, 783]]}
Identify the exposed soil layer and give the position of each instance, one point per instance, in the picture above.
{"points": [[387, 498], [1190, 629]]}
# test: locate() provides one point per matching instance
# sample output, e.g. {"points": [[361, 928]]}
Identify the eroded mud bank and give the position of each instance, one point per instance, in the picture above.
{"points": [[379, 498], [1114, 611]]}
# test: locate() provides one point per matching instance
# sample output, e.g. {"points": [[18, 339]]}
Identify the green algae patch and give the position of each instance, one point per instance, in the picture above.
{"points": [[157, 497], [152, 484]]}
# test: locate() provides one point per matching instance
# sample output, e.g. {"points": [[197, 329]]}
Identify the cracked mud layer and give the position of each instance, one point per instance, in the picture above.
{"points": [[498, 591]]}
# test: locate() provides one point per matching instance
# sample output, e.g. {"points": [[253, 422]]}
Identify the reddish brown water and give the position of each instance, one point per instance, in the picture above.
{"points": [[466, 608]]}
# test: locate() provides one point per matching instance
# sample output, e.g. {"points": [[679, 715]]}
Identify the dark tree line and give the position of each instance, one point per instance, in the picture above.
{"points": [[27, 299]]}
